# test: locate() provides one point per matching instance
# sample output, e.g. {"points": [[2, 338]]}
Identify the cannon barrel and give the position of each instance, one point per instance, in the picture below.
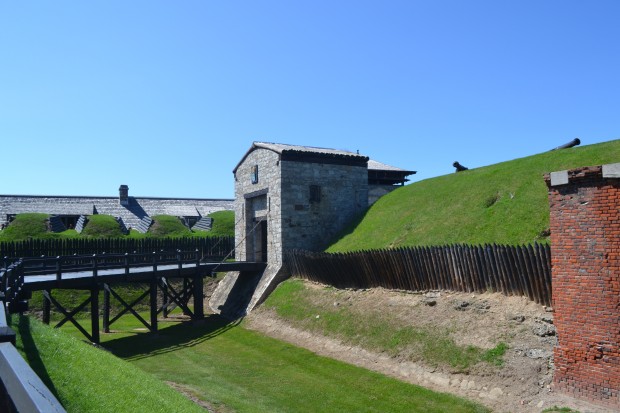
{"points": [[570, 144], [459, 167]]}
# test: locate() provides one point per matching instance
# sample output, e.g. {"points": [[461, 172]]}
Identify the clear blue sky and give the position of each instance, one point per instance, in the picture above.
{"points": [[167, 96]]}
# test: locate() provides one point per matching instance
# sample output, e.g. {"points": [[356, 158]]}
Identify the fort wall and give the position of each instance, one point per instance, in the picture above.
{"points": [[585, 251]]}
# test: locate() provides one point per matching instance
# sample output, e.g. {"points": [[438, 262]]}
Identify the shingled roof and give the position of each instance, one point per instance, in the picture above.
{"points": [[282, 148], [380, 166], [308, 154], [131, 214], [378, 172]]}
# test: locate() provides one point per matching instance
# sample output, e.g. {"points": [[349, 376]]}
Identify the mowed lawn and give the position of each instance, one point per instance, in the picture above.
{"points": [[238, 370]]}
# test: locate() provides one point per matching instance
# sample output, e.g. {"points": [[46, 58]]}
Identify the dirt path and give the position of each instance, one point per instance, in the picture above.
{"points": [[523, 384]]}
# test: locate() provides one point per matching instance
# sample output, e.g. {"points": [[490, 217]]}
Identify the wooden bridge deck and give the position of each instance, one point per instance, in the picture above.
{"points": [[82, 279], [100, 273]]}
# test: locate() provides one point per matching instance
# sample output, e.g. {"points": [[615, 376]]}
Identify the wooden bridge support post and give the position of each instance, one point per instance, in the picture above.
{"points": [[165, 301], [153, 305], [185, 294], [94, 313], [199, 312], [47, 308], [106, 309]]}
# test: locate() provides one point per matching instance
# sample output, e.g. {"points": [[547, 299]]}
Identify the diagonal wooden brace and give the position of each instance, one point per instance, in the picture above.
{"points": [[127, 307], [69, 315], [178, 298]]}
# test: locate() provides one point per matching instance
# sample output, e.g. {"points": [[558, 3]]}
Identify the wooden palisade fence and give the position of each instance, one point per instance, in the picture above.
{"points": [[207, 247], [511, 270]]}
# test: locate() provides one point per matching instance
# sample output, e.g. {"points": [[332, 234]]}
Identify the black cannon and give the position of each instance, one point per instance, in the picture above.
{"points": [[459, 167], [570, 144]]}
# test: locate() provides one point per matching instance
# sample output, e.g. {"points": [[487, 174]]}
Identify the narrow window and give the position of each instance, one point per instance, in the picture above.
{"points": [[315, 194], [255, 174]]}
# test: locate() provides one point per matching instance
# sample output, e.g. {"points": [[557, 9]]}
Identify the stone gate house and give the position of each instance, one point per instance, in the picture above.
{"points": [[299, 197]]}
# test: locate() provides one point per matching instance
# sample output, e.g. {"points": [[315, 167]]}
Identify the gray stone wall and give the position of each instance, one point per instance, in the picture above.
{"points": [[282, 197], [311, 224], [258, 201], [304, 205], [377, 191], [131, 214]]}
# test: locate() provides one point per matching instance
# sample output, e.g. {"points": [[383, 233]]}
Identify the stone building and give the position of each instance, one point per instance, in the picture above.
{"points": [[130, 211], [294, 197], [301, 197]]}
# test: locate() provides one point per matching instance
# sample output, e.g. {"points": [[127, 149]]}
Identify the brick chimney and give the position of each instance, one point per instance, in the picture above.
{"points": [[123, 194]]}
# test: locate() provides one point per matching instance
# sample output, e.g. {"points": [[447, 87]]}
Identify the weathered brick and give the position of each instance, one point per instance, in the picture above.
{"points": [[585, 248]]}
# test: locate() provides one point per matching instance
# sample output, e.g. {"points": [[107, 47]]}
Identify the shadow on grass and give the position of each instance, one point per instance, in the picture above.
{"points": [[172, 338], [348, 229], [32, 353]]}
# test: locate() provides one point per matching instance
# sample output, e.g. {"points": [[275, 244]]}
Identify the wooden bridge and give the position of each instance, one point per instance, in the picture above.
{"points": [[103, 272]]}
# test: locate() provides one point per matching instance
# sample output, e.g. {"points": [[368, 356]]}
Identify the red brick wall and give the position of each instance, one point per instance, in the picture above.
{"points": [[585, 252]]}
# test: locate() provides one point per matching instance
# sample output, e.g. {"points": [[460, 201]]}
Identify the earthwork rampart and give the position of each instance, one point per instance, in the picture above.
{"points": [[578, 275]]}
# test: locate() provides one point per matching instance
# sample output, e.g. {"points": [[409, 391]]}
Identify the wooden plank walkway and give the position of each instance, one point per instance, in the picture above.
{"points": [[76, 279]]}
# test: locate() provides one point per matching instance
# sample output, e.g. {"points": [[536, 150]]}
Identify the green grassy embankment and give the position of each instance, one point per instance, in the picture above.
{"points": [[233, 369], [505, 203], [169, 227], [86, 379], [102, 226], [34, 225], [24, 226], [374, 331], [223, 224]]}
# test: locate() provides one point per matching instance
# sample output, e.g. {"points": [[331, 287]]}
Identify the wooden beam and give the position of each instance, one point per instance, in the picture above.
{"points": [[106, 308], [69, 315], [153, 302], [128, 307], [178, 298], [94, 314], [25, 389], [199, 312], [46, 308]]}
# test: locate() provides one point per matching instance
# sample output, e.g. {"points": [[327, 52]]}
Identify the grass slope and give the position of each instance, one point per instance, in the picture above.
{"points": [[24, 226], [378, 332], [237, 370], [233, 369], [34, 225], [223, 224], [86, 379], [168, 226], [102, 226], [504, 203]]}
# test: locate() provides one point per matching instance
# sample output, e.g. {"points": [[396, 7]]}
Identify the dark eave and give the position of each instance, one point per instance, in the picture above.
{"points": [[310, 154], [325, 158], [388, 177]]}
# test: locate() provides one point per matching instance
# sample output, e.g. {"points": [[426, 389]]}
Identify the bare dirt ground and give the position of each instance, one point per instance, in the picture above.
{"points": [[522, 384]]}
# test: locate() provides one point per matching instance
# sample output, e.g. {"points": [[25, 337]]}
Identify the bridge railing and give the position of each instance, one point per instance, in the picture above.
{"points": [[21, 390], [97, 262], [11, 284]]}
